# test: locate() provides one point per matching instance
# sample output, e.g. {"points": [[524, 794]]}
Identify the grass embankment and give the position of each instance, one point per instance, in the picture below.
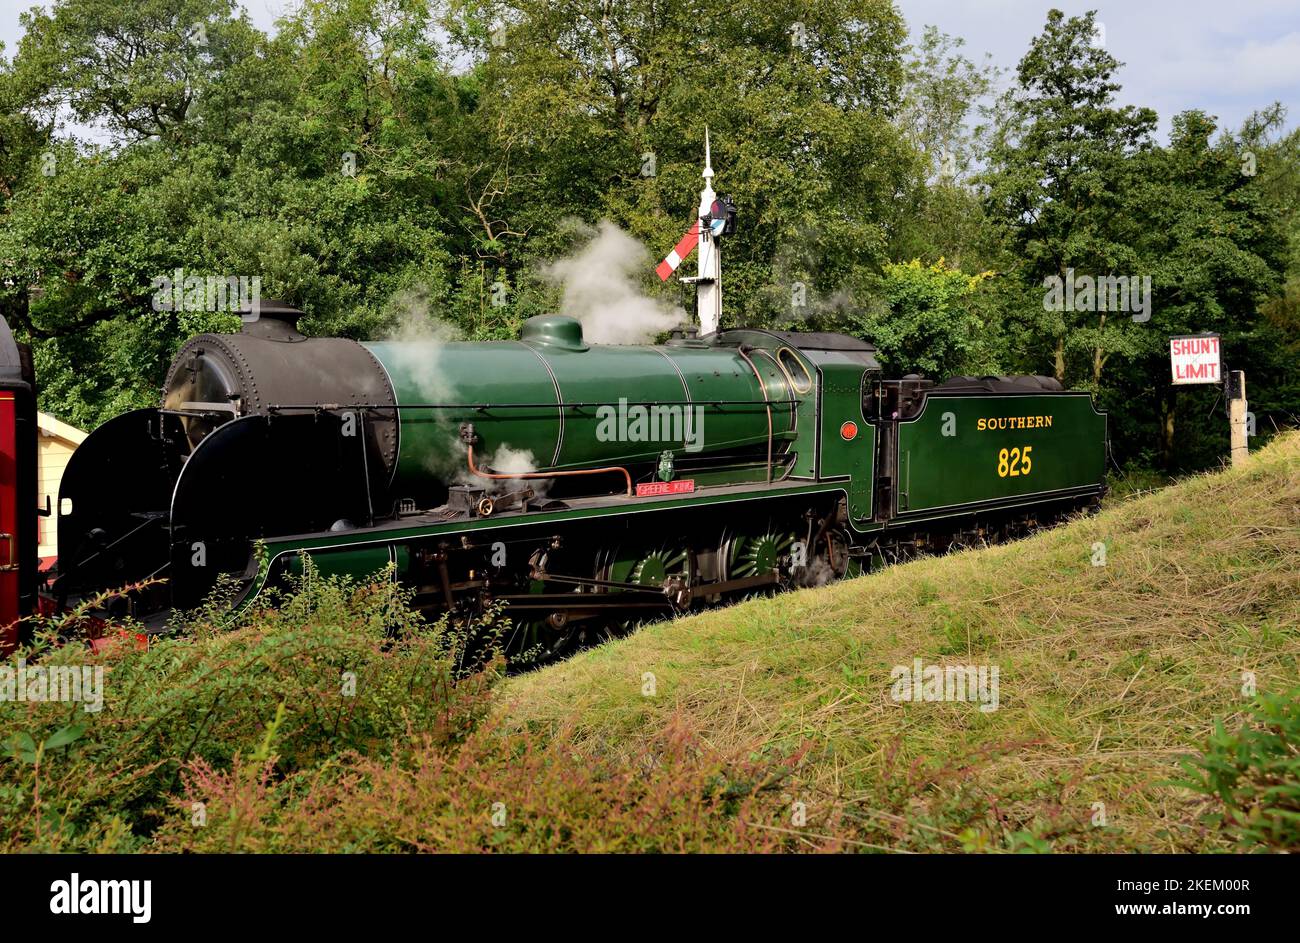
{"points": [[1107, 674]]}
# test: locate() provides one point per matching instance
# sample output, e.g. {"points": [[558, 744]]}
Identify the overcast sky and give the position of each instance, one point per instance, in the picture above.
{"points": [[1227, 58]]}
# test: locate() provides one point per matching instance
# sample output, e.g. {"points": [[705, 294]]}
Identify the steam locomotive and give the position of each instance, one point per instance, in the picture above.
{"points": [[582, 486]]}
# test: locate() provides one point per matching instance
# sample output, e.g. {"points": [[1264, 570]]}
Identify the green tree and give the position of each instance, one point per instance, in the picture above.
{"points": [[22, 137], [594, 109], [1204, 231], [1057, 175], [926, 322], [141, 68], [333, 202], [944, 115], [1273, 154]]}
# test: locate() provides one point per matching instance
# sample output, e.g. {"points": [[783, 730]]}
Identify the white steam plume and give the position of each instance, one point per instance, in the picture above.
{"points": [[419, 353], [600, 290], [420, 339], [507, 461]]}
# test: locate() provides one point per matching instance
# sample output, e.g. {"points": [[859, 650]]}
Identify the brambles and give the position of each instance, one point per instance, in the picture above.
{"points": [[339, 666], [495, 792]]}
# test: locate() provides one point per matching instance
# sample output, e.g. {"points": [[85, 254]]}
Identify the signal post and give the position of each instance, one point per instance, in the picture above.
{"points": [[1197, 358]]}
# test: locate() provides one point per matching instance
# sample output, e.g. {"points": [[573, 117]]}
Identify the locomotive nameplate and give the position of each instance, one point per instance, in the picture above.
{"points": [[655, 489]]}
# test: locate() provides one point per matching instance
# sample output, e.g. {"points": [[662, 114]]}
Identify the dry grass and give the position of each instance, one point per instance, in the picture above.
{"points": [[1107, 673]]}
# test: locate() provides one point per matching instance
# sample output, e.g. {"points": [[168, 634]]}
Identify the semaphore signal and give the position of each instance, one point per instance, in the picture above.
{"points": [[717, 218]]}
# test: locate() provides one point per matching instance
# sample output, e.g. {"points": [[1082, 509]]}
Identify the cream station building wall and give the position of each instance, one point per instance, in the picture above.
{"points": [[57, 442]]}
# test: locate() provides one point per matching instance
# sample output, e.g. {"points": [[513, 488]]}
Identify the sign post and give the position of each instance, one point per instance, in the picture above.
{"points": [[1197, 358], [1237, 415]]}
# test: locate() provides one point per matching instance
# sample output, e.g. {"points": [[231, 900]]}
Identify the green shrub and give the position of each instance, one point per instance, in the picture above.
{"points": [[339, 668], [1252, 775]]}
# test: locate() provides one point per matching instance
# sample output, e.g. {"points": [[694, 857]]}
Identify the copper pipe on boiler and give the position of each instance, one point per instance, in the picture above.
{"points": [[475, 470]]}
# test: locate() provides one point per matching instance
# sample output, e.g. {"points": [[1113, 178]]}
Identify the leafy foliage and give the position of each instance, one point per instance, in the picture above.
{"points": [[1252, 774], [337, 720], [927, 324], [1076, 184], [337, 666]]}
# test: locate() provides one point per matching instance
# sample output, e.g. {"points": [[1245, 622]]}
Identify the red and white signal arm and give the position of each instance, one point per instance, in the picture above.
{"points": [[1195, 358]]}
